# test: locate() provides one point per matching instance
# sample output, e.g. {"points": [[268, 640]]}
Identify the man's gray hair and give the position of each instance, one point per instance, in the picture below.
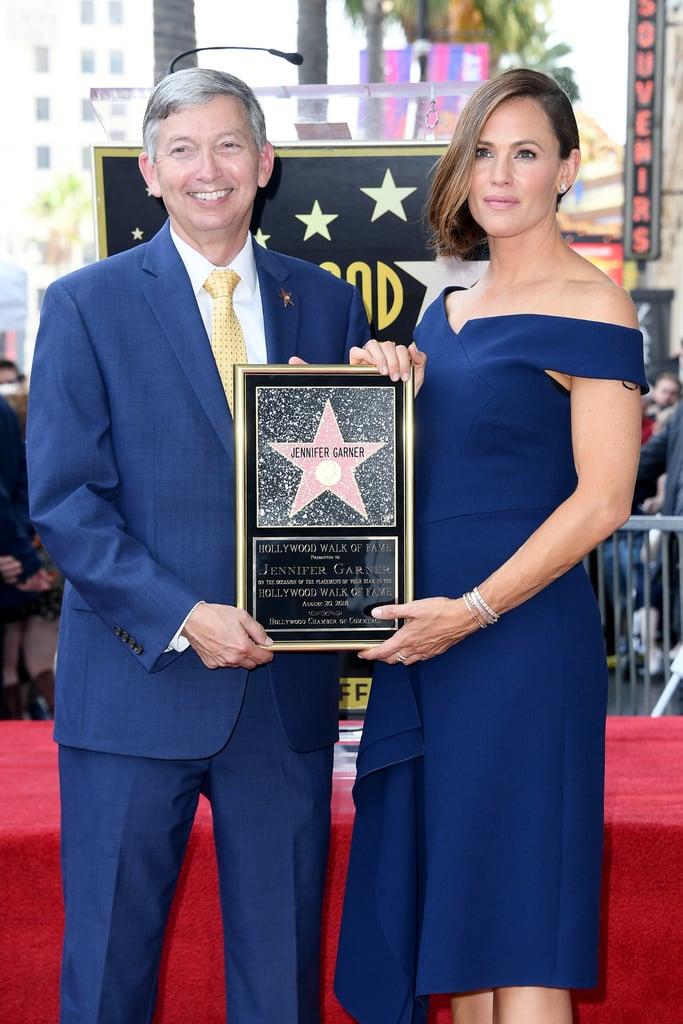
{"points": [[193, 87]]}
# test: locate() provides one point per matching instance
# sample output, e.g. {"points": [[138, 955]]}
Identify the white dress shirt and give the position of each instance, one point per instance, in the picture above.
{"points": [[247, 305], [246, 299]]}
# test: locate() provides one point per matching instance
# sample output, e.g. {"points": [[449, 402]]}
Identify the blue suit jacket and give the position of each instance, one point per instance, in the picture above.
{"points": [[131, 478]]}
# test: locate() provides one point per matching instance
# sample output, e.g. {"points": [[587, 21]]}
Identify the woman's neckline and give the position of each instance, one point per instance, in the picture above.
{"points": [[508, 316]]}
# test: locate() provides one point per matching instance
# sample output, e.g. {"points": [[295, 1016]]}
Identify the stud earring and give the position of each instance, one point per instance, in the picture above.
{"points": [[563, 187]]}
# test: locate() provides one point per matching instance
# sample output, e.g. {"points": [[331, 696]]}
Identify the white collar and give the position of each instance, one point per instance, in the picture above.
{"points": [[199, 268]]}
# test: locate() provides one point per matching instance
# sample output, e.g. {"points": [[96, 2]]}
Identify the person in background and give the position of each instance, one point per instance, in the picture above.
{"points": [[634, 555], [23, 574], [476, 857], [165, 690], [648, 549], [664, 396], [31, 628], [10, 372], [660, 475]]}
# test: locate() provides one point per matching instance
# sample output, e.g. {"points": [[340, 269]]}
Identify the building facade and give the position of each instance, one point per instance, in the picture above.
{"points": [[52, 52]]}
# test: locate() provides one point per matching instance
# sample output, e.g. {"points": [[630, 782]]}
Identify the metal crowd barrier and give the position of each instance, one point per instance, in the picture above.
{"points": [[638, 577]]}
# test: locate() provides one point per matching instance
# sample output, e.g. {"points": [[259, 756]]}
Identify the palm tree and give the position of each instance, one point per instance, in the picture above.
{"points": [[371, 14], [549, 59], [65, 209], [508, 26], [174, 32], [514, 29], [311, 40]]}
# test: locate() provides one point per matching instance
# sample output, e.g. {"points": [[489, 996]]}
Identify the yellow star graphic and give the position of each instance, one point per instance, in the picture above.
{"points": [[389, 198], [316, 222], [137, 234], [261, 238]]}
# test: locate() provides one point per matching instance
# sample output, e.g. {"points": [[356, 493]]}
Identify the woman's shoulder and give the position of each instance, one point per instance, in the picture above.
{"points": [[589, 294]]}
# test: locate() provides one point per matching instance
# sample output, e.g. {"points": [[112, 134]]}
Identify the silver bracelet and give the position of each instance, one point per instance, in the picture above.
{"points": [[492, 616], [474, 611]]}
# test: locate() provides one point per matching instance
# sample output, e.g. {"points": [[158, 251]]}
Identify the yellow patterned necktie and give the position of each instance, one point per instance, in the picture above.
{"points": [[227, 339]]}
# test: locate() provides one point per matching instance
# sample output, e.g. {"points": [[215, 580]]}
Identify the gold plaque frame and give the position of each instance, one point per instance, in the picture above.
{"points": [[324, 502]]}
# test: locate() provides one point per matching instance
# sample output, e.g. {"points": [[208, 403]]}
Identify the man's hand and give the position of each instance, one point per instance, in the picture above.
{"points": [[227, 637]]}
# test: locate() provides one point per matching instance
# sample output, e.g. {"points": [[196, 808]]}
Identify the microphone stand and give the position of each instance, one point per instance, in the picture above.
{"points": [[293, 58]]}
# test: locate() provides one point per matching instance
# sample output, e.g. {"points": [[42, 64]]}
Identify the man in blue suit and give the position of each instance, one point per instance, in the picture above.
{"points": [[165, 690]]}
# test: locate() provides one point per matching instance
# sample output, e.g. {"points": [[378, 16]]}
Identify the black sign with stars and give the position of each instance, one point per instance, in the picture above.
{"points": [[357, 210]]}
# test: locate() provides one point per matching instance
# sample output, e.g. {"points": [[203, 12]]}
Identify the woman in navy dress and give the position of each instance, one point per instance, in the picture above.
{"points": [[476, 858]]}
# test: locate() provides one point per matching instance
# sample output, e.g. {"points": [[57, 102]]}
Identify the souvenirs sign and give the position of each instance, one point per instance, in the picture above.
{"points": [[324, 480]]}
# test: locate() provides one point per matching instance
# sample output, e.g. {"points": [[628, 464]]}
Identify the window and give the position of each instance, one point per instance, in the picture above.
{"points": [[87, 111], [116, 62], [87, 12], [42, 58], [87, 61], [43, 158], [115, 12], [42, 108]]}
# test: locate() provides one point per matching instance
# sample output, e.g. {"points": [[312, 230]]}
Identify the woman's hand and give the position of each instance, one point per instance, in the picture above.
{"points": [[433, 625], [391, 360], [10, 568]]}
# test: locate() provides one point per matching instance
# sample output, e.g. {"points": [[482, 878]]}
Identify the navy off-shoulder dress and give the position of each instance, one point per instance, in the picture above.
{"points": [[476, 855]]}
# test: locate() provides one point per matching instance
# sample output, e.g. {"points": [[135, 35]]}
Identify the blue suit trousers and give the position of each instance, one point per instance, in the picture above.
{"points": [[129, 819]]}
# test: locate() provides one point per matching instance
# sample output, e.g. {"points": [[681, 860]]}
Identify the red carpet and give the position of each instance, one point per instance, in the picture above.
{"points": [[642, 943]]}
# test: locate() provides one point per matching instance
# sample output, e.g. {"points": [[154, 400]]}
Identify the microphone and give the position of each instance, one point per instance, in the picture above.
{"points": [[293, 58]]}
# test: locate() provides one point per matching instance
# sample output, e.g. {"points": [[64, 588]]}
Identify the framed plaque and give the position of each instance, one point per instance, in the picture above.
{"points": [[324, 489]]}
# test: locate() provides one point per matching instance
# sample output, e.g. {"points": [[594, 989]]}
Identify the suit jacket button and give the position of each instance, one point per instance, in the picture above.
{"points": [[138, 649], [117, 630]]}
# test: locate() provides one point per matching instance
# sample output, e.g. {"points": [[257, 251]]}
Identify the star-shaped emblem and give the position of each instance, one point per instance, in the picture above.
{"points": [[261, 238], [286, 297], [316, 222], [328, 463], [137, 234], [389, 198], [438, 274]]}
